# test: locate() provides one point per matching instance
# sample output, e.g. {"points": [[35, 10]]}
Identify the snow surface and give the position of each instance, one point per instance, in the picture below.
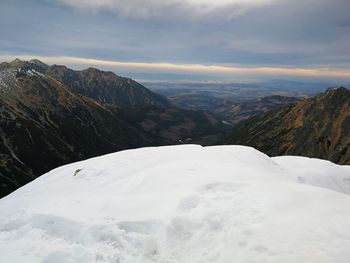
{"points": [[181, 204]]}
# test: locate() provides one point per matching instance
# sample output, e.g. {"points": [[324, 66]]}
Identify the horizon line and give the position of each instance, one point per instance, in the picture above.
{"points": [[186, 68]]}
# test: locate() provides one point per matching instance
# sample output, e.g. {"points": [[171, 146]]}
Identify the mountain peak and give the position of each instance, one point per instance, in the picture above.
{"points": [[33, 64], [17, 62], [92, 69], [335, 97], [333, 90], [38, 63]]}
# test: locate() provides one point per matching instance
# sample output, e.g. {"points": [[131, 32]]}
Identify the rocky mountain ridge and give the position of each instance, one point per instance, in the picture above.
{"points": [[45, 123], [315, 127]]}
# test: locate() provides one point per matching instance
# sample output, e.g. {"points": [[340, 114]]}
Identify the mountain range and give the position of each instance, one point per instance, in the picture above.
{"points": [[231, 103], [234, 113], [52, 115], [316, 127]]}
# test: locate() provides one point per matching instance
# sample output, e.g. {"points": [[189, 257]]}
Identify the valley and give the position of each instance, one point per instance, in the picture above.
{"points": [[174, 131], [52, 115], [234, 102]]}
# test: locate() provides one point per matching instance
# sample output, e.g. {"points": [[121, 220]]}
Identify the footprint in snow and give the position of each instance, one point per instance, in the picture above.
{"points": [[187, 204]]}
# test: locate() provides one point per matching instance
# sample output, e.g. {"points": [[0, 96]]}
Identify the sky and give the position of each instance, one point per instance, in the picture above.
{"points": [[204, 39]]}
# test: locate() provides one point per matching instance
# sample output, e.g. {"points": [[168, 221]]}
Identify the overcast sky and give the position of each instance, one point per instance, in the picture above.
{"points": [[249, 38]]}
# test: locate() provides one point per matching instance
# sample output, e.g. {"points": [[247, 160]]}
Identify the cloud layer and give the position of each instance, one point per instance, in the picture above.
{"points": [[169, 8], [190, 68], [272, 34]]}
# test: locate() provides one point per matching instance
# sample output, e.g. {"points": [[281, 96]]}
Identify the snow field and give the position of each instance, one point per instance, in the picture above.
{"points": [[181, 204]]}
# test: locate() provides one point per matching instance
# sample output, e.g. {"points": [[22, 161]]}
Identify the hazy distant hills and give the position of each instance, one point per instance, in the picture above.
{"points": [[51, 115], [233, 113], [315, 127], [230, 104]]}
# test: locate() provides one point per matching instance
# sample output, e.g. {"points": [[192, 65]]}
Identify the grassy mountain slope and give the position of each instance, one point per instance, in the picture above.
{"points": [[315, 127]]}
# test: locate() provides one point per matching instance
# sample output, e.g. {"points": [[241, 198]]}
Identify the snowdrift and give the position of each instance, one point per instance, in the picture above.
{"points": [[181, 204]]}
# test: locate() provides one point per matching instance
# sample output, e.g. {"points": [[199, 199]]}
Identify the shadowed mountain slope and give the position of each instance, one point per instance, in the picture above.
{"points": [[107, 87], [315, 127], [46, 121]]}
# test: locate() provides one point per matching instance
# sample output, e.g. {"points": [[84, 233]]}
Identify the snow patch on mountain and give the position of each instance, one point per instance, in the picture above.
{"points": [[181, 204], [33, 72], [6, 78]]}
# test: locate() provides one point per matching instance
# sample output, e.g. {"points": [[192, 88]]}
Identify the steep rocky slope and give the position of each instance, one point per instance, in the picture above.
{"points": [[107, 87], [315, 127], [43, 125], [46, 123]]}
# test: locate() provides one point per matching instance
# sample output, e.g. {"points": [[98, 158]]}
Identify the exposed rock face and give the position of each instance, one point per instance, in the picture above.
{"points": [[46, 121], [315, 127]]}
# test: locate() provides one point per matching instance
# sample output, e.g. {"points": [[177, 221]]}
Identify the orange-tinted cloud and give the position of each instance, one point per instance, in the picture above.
{"points": [[191, 68]]}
